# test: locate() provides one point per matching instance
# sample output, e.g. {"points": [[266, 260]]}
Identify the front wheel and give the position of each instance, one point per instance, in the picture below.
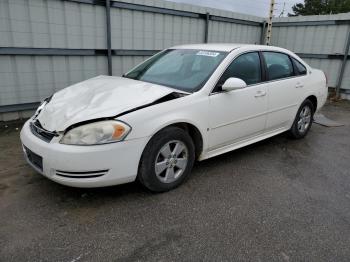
{"points": [[303, 120], [167, 160]]}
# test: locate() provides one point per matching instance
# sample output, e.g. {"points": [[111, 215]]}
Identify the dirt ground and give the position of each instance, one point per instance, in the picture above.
{"points": [[277, 200]]}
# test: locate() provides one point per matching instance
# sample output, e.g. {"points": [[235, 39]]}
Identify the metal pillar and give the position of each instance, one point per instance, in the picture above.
{"points": [[263, 32], [109, 40], [343, 65], [206, 28]]}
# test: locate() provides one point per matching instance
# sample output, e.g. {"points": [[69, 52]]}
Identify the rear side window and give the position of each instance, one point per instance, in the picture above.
{"points": [[301, 69], [278, 65], [246, 67]]}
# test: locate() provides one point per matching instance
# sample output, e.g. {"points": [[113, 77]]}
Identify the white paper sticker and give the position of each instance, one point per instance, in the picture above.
{"points": [[208, 53]]}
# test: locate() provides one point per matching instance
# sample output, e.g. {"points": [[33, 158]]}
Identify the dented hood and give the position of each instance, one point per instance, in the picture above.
{"points": [[102, 96]]}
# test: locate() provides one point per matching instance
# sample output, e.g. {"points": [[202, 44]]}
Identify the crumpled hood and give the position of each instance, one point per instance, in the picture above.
{"points": [[102, 96]]}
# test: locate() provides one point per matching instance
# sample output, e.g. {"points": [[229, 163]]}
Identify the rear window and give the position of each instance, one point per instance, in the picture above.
{"points": [[278, 65], [301, 69]]}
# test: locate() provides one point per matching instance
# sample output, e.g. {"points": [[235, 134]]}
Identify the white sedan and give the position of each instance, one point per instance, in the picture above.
{"points": [[183, 104]]}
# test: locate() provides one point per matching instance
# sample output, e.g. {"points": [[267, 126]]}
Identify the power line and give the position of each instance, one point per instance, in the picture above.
{"points": [[283, 10]]}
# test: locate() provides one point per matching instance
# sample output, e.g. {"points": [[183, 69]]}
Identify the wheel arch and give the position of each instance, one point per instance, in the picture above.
{"points": [[193, 131], [313, 100], [195, 135]]}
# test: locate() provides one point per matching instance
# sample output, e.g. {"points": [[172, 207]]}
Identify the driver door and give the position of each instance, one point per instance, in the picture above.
{"points": [[239, 114]]}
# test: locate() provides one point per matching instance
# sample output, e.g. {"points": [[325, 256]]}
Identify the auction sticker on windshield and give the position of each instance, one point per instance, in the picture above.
{"points": [[207, 53]]}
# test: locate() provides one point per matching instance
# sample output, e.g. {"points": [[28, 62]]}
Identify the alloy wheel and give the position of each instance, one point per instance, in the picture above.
{"points": [[171, 161], [304, 119]]}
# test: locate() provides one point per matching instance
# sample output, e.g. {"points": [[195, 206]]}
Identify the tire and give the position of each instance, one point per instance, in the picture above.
{"points": [[167, 160], [303, 120]]}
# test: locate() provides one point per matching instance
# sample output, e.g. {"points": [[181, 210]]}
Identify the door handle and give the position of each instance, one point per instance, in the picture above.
{"points": [[260, 93], [299, 85]]}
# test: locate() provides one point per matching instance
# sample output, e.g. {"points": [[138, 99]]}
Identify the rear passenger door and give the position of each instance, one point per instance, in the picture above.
{"points": [[284, 90]]}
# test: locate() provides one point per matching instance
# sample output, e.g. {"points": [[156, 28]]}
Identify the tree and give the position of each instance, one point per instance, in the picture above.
{"points": [[321, 7]]}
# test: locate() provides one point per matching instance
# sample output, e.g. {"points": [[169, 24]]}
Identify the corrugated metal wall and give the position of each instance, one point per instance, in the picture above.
{"points": [[47, 24], [158, 31], [70, 41], [324, 36], [27, 79], [51, 24], [72, 25]]}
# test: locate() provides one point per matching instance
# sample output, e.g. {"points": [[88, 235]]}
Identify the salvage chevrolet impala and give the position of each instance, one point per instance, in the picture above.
{"points": [[183, 104]]}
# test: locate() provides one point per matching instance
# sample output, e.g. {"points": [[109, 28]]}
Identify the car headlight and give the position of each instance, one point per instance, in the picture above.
{"points": [[102, 132]]}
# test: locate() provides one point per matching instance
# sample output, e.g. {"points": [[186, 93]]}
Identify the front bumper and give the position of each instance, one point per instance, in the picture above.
{"points": [[84, 166]]}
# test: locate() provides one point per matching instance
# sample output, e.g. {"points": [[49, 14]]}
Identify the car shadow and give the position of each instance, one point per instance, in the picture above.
{"points": [[135, 188]]}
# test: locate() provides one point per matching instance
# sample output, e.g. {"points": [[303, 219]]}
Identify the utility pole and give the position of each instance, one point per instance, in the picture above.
{"points": [[269, 23]]}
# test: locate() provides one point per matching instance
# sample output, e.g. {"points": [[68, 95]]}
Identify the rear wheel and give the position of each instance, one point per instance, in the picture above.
{"points": [[167, 160], [303, 120]]}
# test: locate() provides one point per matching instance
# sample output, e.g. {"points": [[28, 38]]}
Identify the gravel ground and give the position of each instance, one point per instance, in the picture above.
{"points": [[277, 200]]}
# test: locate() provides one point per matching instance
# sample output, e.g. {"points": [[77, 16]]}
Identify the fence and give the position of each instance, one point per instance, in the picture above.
{"points": [[322, 41], [46, 45]]}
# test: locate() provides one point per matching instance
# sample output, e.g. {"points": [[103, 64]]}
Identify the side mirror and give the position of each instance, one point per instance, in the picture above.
{"points": [[233, 83]]}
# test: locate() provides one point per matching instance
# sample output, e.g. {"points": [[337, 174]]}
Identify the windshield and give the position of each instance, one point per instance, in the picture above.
{"points": [[184, 69]]}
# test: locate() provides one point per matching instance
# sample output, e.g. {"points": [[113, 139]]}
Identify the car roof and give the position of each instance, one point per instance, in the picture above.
{"points": [[225, 47]]}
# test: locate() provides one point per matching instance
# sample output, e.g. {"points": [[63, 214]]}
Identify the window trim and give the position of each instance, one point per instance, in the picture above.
{"points": [[212, 92], [290, 77], [263, 65], [266, 69]]}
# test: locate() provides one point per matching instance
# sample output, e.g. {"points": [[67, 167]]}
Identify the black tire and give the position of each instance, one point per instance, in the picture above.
{"points": [[172, 136], [296, 131]]}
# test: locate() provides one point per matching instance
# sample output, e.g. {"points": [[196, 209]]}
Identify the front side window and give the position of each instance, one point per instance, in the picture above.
{"points": [[184, 69], [246, 67], [278, 65]]}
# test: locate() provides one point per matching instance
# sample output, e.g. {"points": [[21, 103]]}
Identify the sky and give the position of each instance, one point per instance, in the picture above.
{"points": [[252, 7]]}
